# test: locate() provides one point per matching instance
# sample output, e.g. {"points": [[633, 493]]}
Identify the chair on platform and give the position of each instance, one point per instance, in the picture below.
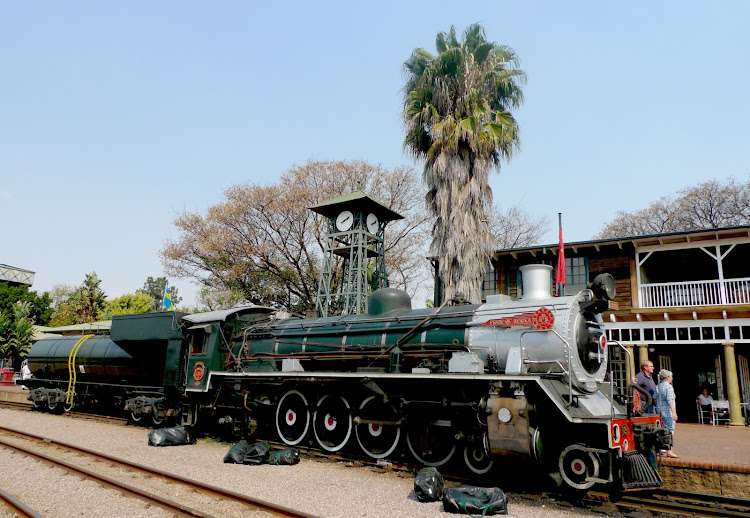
{"points": [[720, 412], [704, 414]]}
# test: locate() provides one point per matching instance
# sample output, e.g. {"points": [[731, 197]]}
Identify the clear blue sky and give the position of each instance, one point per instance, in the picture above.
{"points": [[116, 116]]}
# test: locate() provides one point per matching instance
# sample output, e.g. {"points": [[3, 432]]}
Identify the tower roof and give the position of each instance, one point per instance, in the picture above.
{"points": [[356, 200]]}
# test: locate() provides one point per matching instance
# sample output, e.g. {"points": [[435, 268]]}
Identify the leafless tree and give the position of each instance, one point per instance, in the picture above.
{"points": [[515, 227], [711, 204], [263, 243]]}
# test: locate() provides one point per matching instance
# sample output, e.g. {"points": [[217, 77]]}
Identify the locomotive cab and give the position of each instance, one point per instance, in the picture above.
{"points": [[201, 343]]}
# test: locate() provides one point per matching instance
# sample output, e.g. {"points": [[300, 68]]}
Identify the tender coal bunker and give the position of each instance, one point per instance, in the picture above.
{"points": [[588, 337]]}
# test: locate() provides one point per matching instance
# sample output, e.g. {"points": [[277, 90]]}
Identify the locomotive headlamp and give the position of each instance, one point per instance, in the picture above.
{"points": [[603, 286]]}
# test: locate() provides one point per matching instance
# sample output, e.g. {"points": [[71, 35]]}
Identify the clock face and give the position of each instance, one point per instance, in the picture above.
{"points": [[344, 221], [372, 223]]}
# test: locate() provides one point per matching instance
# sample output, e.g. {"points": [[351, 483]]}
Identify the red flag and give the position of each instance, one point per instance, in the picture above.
{"points": [[560, 272]]}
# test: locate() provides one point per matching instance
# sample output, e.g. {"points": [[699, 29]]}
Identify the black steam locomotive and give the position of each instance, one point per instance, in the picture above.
{"points": [[515, 378]]}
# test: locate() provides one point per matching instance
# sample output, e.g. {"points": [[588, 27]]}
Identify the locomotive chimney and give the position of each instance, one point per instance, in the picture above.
{"points": [[537, 281]]}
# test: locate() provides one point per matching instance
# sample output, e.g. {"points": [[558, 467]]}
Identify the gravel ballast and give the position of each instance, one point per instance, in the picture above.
{"points": [[324, 489]]}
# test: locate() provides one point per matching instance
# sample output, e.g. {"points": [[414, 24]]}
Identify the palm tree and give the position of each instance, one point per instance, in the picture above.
{"points": [[456, 112]]}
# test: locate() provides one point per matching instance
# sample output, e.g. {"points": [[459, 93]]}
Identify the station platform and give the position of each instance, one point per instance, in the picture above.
{"points": [[14, 394], [712, 459], [723, 447]]}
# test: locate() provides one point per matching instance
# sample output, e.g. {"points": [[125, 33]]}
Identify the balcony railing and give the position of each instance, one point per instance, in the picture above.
{"points": [[695, 293]]}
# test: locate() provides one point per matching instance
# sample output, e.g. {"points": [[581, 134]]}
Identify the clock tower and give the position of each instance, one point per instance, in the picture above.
{"points": [[355, 231]]}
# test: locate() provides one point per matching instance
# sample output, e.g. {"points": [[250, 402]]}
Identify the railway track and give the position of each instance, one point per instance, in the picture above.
{"points": [[16, 506], [155, 478], [81, 415], [680, 503]]}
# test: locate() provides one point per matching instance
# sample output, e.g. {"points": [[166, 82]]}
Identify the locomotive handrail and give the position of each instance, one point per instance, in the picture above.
{"points": [[630, 362], [395, 351], [346, 320]]}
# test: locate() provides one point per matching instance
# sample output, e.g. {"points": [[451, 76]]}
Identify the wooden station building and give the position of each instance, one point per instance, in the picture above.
{"points": [[684, 304]]}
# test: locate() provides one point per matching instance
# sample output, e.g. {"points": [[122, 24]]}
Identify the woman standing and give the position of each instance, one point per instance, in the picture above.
{"points": [[667, 404]]}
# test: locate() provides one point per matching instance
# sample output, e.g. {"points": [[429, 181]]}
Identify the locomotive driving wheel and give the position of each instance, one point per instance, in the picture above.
{"points": [[292, 417], [332, 422], [379, 432], [430, 440], [477, 455], [577, 464]]}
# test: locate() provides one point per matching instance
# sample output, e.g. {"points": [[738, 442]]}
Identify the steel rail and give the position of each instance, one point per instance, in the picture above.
{"points": [[16, 404], [200, 486], [83, 415], [682, 503], [18, 506], [125, 488], [96, 417]]}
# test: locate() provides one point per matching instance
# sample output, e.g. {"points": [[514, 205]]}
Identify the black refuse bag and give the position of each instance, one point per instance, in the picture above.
{"points": [[257, 453], [428, 485], [475, 500], [236, 453], [287, 457], [174, 436]]}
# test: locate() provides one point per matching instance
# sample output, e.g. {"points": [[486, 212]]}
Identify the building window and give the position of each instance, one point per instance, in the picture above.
{"points": [[576, 274], [489, 283]]}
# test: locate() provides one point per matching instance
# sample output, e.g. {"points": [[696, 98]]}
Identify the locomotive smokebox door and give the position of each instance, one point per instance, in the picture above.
{"points": [[202, 343]]}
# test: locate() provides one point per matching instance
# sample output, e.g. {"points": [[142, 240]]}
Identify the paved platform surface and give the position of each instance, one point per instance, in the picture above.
{"points": [[721, 448], [700, 446]]}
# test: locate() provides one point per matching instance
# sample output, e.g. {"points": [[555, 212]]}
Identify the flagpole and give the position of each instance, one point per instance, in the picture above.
{"points": [[560, 272]]}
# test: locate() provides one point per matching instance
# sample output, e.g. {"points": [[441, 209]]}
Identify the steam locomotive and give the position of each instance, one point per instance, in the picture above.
{"points": [[513, 378]]}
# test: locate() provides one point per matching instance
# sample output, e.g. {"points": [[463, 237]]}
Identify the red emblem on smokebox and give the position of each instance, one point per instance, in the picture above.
{"points": [[541, 319]]}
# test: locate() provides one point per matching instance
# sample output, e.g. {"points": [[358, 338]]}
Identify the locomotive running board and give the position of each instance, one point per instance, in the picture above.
{"points": [[219, 377], [592, 407]]}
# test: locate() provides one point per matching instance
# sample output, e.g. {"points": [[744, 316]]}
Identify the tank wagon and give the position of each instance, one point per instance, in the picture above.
{"points": [[513, 378], [142, 356]]}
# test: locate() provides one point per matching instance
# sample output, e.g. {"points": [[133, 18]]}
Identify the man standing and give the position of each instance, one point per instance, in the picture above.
{"points": [[645, 380]]}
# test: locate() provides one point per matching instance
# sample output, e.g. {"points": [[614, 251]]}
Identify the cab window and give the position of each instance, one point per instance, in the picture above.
{"points": [[197, 341]]}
